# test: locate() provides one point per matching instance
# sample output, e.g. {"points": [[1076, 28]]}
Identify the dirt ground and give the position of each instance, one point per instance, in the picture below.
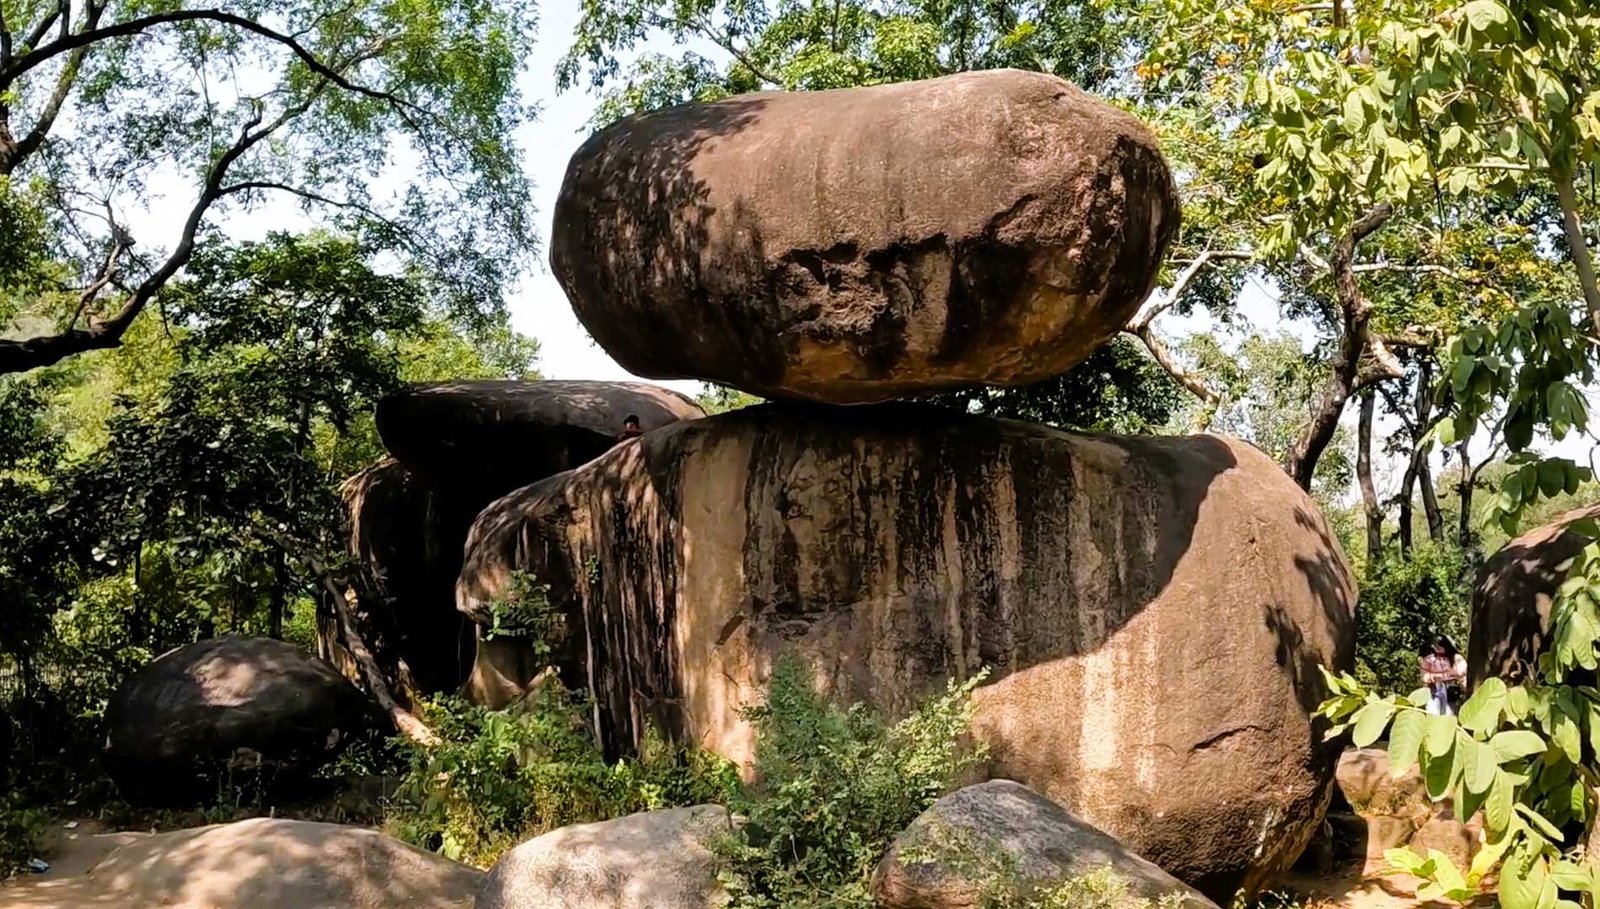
{"points": [[1363, 888]]}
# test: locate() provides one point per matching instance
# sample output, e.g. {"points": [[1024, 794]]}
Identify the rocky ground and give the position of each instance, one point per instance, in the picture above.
{"points": [[72, 853]]}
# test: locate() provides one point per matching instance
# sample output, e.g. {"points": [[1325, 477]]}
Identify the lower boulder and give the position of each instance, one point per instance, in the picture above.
{"points": [[253, 709], [997, 844], [1153, 610], [266, 862], [653, 860]]}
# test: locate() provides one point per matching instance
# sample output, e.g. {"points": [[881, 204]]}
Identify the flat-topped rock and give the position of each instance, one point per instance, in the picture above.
{"points": [[1154, 608], [863, 244], [496, 435]]}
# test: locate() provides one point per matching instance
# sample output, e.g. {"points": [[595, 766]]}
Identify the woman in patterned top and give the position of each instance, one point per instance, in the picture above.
{"points": [[1441, 669]]}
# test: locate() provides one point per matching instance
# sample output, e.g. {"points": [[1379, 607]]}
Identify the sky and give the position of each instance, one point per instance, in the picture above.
{"points": [[538, 306]]}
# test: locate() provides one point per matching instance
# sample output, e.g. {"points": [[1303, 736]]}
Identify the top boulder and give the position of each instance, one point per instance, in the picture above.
{"points": [[497, 435], [864, 244]]}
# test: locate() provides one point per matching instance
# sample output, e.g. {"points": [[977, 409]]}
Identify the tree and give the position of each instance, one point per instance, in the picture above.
{"points": [[392, 119]]}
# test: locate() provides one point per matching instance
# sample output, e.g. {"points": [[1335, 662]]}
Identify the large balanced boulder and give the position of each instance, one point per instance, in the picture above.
{"points": [[863, 244], [1511, 603], [253, 709], [996, 843], [267, 862], [654, 860], [1154, 609], [457, 447]]}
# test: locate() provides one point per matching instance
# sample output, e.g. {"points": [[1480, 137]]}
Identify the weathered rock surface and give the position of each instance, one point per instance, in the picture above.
{"points": [[227, 704], [409, 537], [1511, 604], [458, 446], [493, 436], [864, 244], [654, 860], [279, 863], [1001, 839], [1370, 788], [1154, 608]]}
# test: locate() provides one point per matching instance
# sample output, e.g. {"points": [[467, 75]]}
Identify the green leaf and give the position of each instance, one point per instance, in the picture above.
{"points": [[1405, 741], [1355, 113], [1440, 734], [1370, 721], [1481, 712], [1497, 811], [1480, 766], [1441, 771], [1516, 743], [1539, 822], [1482, 15]]}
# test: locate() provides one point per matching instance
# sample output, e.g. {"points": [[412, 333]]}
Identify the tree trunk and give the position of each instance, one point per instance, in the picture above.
{"points": [[1572, 226], [1430, 502], [1408, 485], [1356, 309], [1369, 493], [1465, 538]]}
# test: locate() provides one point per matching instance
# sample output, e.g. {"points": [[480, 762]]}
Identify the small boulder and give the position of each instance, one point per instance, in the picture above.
{"points": [[1384, 833], [228, 704], [268, 862], [1369, 787], [1000, 839], [862, 244], [653, 860], [1443, 832]]}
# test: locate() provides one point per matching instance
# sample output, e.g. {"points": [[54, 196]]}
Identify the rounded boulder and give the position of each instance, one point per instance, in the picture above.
{"points": [[250, 709], [1515, 590], [863, 244], [491, 436], [267, 862], [1153, 609]]}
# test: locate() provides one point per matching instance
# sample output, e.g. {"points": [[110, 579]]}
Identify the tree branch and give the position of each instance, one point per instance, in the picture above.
{"points": [[69, 42], [1181, 283], [58, 97], [32, 353], [1164, 358]]}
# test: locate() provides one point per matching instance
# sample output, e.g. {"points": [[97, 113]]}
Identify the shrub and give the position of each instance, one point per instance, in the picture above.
{"points": [[1405, 603], [1099, 889], [21, 828], [501, 776], [836, 787]]}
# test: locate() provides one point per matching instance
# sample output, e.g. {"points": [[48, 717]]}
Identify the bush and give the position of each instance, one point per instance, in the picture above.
{"points": [[1099, 889], [1405, 604], [836, 787], [21, 828], [499, 777]]}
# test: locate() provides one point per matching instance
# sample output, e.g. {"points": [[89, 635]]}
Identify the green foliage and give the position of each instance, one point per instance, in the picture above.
{"points": [[1118, 389], [501, 776], [715, 399], [836, 786], [832, 45], [524, 611], [1405, 603], [21, 832]]}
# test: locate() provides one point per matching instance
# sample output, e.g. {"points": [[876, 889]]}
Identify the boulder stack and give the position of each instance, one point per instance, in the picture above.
{"points": [[457, 446], [1154, 609], [864, 244]]}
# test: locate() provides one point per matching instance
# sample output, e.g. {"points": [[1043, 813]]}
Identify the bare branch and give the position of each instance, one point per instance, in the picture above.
{"points": [[70, 42], [58, 97], [1142, 320], [1187, 378]]}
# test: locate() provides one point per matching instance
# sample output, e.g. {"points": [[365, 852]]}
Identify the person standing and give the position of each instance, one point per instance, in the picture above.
{"points": [[1442, 669]]}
